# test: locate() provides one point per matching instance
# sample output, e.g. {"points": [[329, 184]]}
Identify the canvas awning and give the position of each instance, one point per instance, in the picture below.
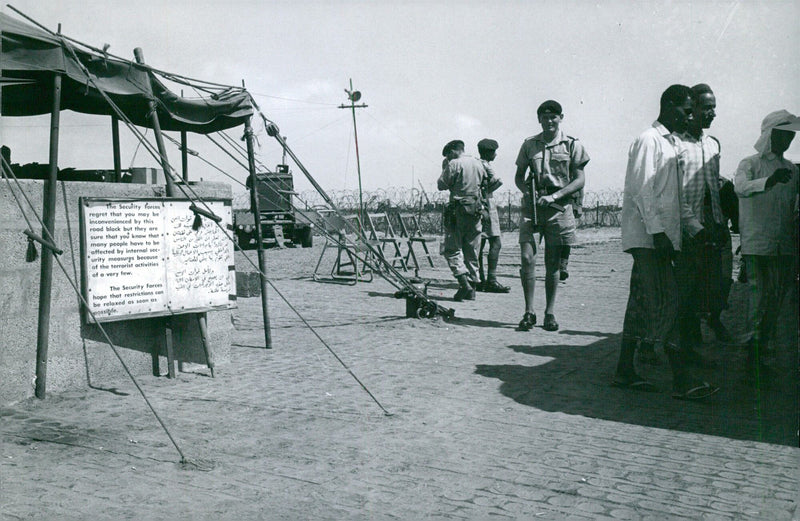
{"points": [[29, 53]]}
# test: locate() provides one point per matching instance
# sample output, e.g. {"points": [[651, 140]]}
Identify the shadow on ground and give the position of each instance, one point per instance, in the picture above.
{"points": [[575, 379]]}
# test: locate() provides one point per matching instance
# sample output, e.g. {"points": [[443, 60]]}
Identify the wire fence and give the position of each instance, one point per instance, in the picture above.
{"points": [[599, 208]]}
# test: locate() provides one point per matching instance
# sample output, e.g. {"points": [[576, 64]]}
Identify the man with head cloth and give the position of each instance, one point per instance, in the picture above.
{"points": [[463, 176], [767, 186], [651, 232]]}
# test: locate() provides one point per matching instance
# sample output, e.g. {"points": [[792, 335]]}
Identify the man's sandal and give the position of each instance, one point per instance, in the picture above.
{"points": [[634, 383], [698, 392]]}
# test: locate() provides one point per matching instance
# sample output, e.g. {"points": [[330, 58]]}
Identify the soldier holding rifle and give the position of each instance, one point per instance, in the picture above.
{"points": [[556, 162]]}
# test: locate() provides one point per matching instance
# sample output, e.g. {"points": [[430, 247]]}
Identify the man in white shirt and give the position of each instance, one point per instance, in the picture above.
{"points": [[767, 186], [651, 232]]}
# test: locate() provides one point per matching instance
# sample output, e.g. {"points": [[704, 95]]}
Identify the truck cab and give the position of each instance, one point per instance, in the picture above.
{"points": [[279, 218]]}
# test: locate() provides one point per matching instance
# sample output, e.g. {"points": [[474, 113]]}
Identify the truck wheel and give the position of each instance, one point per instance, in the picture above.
{"points": [[306, 238]]}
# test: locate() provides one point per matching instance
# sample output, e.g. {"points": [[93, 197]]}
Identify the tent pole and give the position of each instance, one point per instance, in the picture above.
{"points": [[254, 206], [162, 151], [115, 144], [184, 157], [48, 232]]}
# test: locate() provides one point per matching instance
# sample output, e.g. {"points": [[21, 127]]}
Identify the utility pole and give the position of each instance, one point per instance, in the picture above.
{"points": [[353, 96]]}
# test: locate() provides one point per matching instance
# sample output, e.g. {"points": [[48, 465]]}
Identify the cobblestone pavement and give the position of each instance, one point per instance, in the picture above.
{"points": [[486, 422]]}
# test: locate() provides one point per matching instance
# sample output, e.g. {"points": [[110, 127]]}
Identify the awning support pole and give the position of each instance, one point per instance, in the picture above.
{"points": [[184, 157], [115, 145], [254, 206], [162, 151], [48, 232]]}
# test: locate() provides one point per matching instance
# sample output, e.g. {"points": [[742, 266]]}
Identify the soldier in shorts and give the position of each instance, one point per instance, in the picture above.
{"points": [[487, 149], [462, 176], [555, 162]]}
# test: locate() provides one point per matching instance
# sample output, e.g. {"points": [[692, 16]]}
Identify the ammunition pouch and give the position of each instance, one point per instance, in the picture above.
{"points": [[470, 206]]}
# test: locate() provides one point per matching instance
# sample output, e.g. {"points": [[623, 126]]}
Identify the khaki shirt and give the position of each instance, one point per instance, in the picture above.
{"points": [[463, 177], [552, 163]]}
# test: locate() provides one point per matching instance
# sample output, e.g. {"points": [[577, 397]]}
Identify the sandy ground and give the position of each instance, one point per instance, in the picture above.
{"points": [[485, 422]]}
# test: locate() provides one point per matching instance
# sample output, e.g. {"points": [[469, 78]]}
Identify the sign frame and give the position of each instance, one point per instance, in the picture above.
{"points": [[164, 309]]}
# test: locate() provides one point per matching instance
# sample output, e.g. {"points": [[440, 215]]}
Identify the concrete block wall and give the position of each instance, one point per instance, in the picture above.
{"points": [[75, 347]]}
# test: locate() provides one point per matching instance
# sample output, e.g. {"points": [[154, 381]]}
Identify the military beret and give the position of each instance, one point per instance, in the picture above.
{"points": [[551, 106], [487, 144], [453, 145]]}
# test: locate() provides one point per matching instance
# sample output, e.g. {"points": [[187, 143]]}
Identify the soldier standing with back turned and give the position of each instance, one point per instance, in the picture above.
{"points": [[463, 176]]}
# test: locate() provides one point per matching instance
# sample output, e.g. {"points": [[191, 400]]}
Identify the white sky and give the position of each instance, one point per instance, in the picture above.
{"points": [[435, 71]]}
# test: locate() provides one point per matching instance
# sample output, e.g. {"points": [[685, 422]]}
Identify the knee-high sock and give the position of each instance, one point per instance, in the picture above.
{"points": [[493, 258]]}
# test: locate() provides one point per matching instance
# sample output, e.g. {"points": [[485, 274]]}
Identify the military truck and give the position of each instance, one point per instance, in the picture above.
{"points": [[279, 219]]}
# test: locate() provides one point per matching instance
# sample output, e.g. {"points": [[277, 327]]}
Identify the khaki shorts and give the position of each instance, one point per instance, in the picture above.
{"points": [[491, 225], [559, 227]]}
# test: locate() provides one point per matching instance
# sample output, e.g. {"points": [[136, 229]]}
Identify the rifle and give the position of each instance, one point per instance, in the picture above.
{"points": [[534, 198], [534, 212]]}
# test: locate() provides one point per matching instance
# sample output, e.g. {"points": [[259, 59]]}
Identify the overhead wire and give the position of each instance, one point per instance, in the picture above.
{"points": [[294, 99], [397, 135]]}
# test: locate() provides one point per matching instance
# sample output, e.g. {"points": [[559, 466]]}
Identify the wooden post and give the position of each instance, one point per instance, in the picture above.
{"points": [[184, 154], [254, 205], [48, 232], [184, 157], [170, 350], [115, 143], [155, 352], [162, 151], [201, 321]]}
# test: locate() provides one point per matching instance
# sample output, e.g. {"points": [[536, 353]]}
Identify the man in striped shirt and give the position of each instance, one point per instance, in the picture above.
{"points": [[699, 264]]}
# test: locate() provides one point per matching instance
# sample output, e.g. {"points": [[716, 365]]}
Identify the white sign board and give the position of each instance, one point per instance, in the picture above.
{"points": [[142, 258]]}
